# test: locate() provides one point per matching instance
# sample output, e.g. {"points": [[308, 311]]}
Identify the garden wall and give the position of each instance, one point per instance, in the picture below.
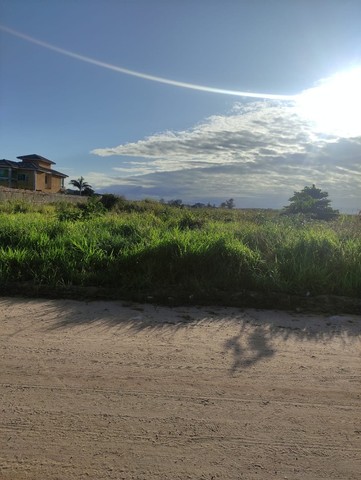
{"points": [[38, 197]]}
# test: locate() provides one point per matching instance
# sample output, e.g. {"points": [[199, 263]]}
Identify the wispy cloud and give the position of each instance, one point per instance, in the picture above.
{"points": [[263, 151]]}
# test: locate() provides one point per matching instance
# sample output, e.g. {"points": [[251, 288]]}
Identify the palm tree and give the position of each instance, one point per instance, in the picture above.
{"points": [[81, 184]]}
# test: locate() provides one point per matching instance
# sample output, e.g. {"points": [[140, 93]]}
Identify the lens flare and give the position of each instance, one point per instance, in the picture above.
{"points": [[334, 105]]}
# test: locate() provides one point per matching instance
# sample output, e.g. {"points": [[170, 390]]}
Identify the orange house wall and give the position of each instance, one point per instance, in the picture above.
{"points": [[42, 164], [53, 186]]}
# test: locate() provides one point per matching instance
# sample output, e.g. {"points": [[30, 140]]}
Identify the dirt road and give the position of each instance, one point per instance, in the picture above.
{"points": [[105, 391]]}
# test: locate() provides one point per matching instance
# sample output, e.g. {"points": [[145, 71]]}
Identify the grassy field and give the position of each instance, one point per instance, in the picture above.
{"points": [[147, 250]]}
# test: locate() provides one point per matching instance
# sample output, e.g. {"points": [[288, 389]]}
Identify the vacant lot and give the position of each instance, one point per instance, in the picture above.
{"points": [[105, 391]]}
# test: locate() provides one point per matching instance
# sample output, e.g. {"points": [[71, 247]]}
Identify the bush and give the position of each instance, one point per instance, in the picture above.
{"points": [[80, 211], [92, 208], [191, 222], [67, 212], [109, 201]]}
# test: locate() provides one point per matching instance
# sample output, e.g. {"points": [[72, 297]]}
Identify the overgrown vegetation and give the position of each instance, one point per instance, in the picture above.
{"points": [[148, 250]]}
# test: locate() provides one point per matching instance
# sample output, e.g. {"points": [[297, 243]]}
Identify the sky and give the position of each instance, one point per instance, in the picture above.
{"points": [[199, 100]]}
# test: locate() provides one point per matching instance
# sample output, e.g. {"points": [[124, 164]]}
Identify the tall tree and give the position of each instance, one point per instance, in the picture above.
{"points": [[228, 204], [81, 184], [313, 202]]}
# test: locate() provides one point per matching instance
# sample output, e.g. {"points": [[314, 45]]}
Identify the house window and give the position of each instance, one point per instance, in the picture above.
{"points": [[22, 177], [47, 181], [3, 172]]}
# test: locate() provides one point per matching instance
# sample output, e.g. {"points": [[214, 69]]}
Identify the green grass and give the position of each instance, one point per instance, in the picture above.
{"points": [[145, 249]]}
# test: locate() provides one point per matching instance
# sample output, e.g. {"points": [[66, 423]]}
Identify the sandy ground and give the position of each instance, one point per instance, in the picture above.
{"points": [[103, 390]]}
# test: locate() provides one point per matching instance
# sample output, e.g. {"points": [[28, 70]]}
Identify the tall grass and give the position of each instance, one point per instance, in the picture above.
{"points": [[156, 250]]}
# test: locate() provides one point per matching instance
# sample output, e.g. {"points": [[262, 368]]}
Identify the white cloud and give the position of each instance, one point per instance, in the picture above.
{"points": [[236, 137], [99, 180], [260, 152]]}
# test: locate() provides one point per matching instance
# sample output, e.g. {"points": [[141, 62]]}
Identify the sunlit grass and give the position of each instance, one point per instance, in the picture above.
{"points": [[158, 250]]}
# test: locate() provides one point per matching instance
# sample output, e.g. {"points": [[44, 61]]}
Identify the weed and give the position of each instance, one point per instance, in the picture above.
{"points": [[151, 249]]}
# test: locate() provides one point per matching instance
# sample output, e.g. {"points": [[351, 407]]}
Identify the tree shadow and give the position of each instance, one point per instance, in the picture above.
{"points": [[258, 331], [248, 350]]}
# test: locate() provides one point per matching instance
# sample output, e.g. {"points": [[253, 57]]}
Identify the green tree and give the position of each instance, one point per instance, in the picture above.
{"points": [[228, 204], [312, 202], [88, 191], [82, 185]]}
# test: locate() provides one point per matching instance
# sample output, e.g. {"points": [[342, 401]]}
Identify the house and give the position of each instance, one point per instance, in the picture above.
{"points": [[33, 172]]}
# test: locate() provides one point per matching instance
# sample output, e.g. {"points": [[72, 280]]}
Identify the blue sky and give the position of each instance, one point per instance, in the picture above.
{"points": [[140, 138]]}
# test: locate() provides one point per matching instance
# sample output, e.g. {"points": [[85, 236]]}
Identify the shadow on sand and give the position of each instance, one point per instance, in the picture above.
{"points": [[256, 330]]}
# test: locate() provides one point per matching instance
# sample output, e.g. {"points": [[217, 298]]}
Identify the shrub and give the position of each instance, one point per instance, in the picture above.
{"points": [[109, 201], [92, 208], [191, 222], [67, 212]]}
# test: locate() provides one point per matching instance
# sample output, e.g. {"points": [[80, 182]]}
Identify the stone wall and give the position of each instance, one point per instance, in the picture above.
{"points": [[38, 197]]}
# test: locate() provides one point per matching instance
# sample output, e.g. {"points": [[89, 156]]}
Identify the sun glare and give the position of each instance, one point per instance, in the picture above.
{"points": [[334, 106]]}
